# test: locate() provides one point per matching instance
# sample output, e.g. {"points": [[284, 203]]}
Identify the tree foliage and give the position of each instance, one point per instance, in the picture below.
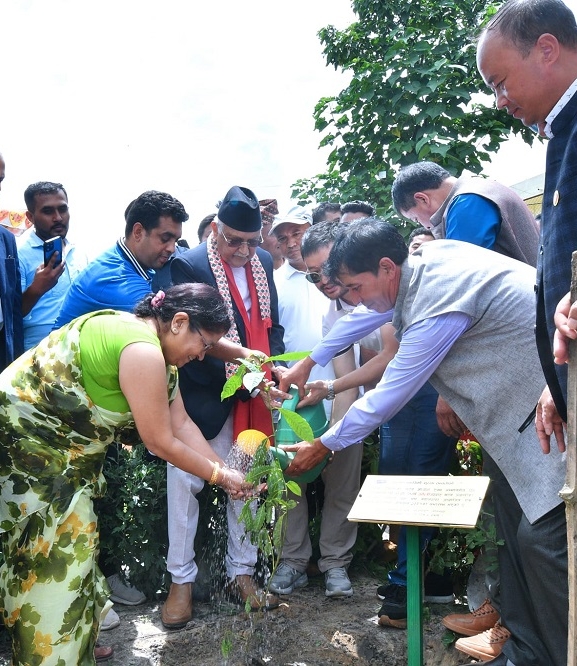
{"points": [[413, 96]]}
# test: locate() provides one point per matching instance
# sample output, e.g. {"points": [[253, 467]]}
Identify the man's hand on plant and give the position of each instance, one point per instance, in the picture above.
{"points": [[307, 456], [297, 375]]}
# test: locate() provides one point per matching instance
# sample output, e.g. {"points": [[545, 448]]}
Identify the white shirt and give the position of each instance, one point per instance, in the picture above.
{"points": [[556, 110], [301, 309]]}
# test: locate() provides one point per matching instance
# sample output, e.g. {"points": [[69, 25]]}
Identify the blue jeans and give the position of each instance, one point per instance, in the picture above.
{"points": [[412, 444]]}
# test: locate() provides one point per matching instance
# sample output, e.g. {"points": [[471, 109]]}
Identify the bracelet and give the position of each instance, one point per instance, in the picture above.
{"points": [[215, 471], [330, 390]]}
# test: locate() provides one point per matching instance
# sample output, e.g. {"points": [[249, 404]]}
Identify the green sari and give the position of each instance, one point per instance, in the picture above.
{"points": [[52, 446]]}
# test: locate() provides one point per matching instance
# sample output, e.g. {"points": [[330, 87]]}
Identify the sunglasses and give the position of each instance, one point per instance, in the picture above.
{"points": [[237, 242], [315, 278]]}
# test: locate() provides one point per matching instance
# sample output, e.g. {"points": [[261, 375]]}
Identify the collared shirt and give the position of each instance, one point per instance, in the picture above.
{"points": [[301, 308], [423, 347], [114, 280], [39, 321], [556, 110]]}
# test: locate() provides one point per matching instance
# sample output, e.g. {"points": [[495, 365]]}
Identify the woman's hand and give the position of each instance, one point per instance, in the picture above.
{"points": [[272, 396], [232, 481]]}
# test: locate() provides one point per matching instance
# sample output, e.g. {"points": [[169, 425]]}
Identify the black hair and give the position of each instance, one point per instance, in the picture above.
{"points": [[42, 187], [325, 207], [149, 207], [415, 178], [523, 21], [360, 246], [202, 303], [203, 224], [358, 207], [420, 231], [319, 235]]}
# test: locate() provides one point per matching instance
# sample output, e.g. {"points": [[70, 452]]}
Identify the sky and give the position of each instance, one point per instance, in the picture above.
{"points": [[116, 97]]}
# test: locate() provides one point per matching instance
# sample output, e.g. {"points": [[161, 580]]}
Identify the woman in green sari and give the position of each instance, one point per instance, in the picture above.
{"points": [[61, 405]]}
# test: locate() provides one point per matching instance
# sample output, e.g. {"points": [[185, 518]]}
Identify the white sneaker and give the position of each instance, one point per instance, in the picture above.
{"points": [[123, 593], [111, 621]]}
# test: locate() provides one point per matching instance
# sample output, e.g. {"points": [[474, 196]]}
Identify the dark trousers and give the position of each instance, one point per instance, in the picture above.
{"points": [[534, 586], [413, 445]]}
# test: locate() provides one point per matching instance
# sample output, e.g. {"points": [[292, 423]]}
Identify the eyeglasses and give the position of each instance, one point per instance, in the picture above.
{"points": [[315, 278], [207, 345], [237, 242]]}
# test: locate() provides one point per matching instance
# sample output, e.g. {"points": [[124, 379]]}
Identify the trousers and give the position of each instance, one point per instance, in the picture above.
{"points": [[534, 585], [413, 444], [342, 479], [183, 513]]}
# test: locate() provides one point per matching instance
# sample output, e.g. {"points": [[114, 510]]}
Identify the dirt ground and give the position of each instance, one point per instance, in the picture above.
{"points": [[307, 630]]}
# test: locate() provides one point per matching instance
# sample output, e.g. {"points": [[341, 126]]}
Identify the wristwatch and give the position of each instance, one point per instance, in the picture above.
{"points": [[330, 390]]}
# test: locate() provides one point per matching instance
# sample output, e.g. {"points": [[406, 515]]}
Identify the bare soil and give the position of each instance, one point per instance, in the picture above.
{"points": [[307, 630]]}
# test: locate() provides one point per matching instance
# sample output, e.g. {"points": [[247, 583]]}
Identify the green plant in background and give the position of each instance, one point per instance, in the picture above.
{"points": [[454, 548], [132, 518]]}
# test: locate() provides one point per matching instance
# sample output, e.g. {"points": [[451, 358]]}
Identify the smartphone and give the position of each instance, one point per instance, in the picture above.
{"points": [[50, 247]]}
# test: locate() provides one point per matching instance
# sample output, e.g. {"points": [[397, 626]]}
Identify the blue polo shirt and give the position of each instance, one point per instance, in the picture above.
{"points": [[473, 219], [39, 321], [114, 280]]}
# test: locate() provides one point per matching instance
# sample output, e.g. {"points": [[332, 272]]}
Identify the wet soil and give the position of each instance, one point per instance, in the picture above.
{"points": [[307, 630]]}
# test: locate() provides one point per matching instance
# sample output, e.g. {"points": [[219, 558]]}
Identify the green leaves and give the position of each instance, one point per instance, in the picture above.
{"points": [[414, 76], [296, 422], [249, 372], [264, 517]]}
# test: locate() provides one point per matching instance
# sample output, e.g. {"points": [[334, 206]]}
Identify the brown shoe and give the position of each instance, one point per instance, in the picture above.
{"points": [[485, 646], [103, 653], [471, 624], [244, 588], [177, 609]]}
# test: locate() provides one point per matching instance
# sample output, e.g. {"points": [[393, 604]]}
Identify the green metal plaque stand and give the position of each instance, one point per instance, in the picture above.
{"points": [[414, 597], [419, 501]]}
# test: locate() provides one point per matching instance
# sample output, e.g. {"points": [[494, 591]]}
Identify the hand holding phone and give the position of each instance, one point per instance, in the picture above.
{"points": [[51, 246]]}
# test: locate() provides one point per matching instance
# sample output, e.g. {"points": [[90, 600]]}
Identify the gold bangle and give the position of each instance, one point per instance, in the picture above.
{"points": [[215, 471]]}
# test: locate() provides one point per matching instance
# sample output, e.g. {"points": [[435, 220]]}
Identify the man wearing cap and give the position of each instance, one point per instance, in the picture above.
{"points": [[302, 308], [268, 210], [232, 261]]}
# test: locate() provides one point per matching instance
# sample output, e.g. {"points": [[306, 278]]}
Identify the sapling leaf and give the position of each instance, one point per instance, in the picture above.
{"points": [[257, 473], [260, 517], [298, 424], [294, 487], [252, 379], [278, 533], [232, 384], [288, 356], [248, 364]]}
